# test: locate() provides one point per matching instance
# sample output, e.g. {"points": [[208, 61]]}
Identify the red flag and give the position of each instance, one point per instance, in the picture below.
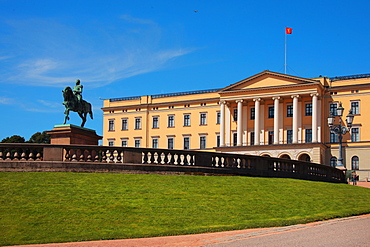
{"points": [[288, 30]]}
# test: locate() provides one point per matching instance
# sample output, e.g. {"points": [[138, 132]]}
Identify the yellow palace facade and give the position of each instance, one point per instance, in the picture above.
{"points": [[267, 114]]}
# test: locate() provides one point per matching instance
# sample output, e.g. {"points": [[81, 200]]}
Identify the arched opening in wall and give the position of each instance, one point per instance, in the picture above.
{"points": [[285, 156], [265, 155], [304, 157]]}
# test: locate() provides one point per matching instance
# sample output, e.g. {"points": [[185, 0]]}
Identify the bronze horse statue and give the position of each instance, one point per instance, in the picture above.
{"points": [[72, 103]]}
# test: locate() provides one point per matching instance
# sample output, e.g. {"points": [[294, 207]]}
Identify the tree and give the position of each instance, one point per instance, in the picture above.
{"points": [[39, 137], [13, 139]]}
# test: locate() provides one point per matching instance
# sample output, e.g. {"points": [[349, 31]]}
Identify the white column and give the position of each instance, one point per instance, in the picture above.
{"points": [[240, 123], [228, 140], [222, 123], [257, 121], [295, 118], [314, 117], [276, 119]]}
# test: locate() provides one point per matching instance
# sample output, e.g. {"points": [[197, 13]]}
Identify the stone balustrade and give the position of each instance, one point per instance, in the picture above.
{"points": [[185, 161]]}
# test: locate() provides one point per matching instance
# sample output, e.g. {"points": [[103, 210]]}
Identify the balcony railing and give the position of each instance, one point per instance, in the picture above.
{"points": [[174, 160]]}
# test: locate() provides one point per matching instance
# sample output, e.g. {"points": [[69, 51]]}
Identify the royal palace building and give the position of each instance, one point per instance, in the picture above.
{"points": [[267, 114]]}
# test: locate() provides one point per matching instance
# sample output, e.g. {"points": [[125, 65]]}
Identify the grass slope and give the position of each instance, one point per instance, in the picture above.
{"points": [[63, 207]]}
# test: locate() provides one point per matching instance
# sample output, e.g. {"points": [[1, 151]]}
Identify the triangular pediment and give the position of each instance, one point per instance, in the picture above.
{"points": [[267, 79]]}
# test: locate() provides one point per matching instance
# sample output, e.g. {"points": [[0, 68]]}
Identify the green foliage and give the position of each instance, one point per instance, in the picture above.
{"points": [[39, 137], [64, 207], [13, 139]]}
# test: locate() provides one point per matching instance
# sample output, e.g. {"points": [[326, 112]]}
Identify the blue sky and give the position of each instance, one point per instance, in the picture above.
{"points": [[129, 48]]}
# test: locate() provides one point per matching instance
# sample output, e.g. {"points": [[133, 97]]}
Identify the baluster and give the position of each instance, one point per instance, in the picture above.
{"points": [[16, 155], [161, 157], [219, 161], [30, 156], [89, 156], [96, 158], [191, 161], [111, 156], [172, 160], [8, 156], [67, 156], [82, 156], [119, 156], [38, 155], [1, 155], [145, 157], [165, 160], [74, 155], [104, 156], [23, 156]]}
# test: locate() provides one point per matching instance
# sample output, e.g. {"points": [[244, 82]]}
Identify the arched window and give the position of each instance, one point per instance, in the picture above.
{"points": [[333, 161], [304, 157], [285, 156], [355, 163]]}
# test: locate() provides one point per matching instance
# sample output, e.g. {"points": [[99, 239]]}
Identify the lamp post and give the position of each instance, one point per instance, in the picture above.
{"points": [[340, 130]]}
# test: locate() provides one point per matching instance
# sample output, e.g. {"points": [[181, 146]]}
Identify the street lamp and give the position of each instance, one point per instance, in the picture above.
{"points": [[340, 130]]}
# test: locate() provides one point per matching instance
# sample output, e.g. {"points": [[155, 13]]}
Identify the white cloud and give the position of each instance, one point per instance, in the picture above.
{"points": [[47, 53], [6, 101]]}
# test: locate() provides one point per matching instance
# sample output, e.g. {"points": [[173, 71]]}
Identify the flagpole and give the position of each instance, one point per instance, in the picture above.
{"points": [[285, 53]]}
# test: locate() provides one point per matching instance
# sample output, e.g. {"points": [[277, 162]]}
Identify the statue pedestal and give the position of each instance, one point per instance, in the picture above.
{"points": [[68, 134]]}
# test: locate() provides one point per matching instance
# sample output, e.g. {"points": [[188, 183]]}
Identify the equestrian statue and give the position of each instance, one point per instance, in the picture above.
{"points": [[73, 102]]}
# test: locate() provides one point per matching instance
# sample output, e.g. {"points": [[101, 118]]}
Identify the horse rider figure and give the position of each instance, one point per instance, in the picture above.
{"points": [[77, 91]]}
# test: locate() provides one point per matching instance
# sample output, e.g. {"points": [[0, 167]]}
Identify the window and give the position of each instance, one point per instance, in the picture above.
{"points": [[171, 121], [271, 137], [333, 137], [289, 111], [355, 107], [186, 142], [333, 161], [111, 125], [155, 122], [308, 109], [137, 123], [355, 135], [355, 163], [186, 119], [137, 143], [235, 139], [289, 136], [170, 143], [203, 119], [124, 124], [218, 118], [124, 142], [154, 143], [251, 141], [308, 135], [271, 112], [235, 115], [218, 141], [253, 113], [333, 109], [111, 143], [202, 142]]}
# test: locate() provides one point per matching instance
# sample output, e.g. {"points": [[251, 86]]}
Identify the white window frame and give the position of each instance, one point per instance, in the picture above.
{"points": [[138, 123], [124, 124], [203, 118], [111, 124], [157, 122], [187, 122], [171, 121]]}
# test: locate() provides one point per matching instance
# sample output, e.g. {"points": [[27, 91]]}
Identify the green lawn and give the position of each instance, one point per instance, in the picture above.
{"points": [[62, 207]]}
